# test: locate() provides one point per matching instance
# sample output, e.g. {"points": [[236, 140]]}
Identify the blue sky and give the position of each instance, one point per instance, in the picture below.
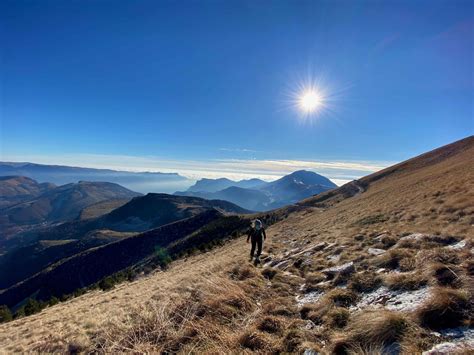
{"points": [[206, 88]]}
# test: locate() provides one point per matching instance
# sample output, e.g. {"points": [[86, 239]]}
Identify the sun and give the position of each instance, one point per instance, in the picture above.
{"points": [[310, 101]]}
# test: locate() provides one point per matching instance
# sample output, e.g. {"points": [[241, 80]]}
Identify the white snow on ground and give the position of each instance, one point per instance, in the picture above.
{"points": [[460, 338], [309, 297], [401, 301]]}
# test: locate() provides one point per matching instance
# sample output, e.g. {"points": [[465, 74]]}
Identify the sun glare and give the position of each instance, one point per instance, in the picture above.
{"points": [[310, 101]]}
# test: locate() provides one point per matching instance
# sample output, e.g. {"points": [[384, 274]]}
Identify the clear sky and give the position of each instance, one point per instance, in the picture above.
{"points": [[205, 88]]}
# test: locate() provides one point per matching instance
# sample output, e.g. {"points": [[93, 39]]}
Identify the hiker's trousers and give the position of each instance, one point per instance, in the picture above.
{"points": [[257, 241]]}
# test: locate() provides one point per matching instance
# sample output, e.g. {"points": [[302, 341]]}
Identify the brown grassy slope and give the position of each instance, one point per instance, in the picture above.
{"points": [[217, 302], [101, 208]]}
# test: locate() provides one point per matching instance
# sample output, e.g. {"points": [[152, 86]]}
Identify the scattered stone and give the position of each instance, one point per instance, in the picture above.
{"points": [[309, 251], [414, 236], [359, 237], [310, 352], [458, 245], [330, 246], [375, 251], [381, 270], [282, 265], [344, 269]]}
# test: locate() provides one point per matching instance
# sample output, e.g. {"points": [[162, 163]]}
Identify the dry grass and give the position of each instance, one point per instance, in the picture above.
{"points": [[218, 303], [391, 259], [445, 309], [203, 321], [406, 281], [365, 281], [371, 330]]}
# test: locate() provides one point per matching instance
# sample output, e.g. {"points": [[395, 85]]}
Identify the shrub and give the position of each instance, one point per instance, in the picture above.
{"points": [[5, 314], [161, 257], [446, 308], [106, 283], [32, 306], [53, 300]]}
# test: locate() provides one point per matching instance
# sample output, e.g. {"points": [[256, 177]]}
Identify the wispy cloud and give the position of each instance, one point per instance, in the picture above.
{"points": [[237, 150], [338, 171]]}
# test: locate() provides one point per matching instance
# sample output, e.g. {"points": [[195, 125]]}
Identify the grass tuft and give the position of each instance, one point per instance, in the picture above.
{"points": [[446, 308]]}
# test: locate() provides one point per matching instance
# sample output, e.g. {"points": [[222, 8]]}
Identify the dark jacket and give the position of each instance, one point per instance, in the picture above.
{"points": [[254, 234]]}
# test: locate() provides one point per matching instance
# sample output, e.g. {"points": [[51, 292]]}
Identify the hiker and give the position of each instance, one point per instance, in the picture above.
{"points": [[256, 235]]}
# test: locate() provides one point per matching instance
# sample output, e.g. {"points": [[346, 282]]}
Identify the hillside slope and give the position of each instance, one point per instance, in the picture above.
{"points": [[32, 251], [370, 267], [17, 189], [65, 202]]}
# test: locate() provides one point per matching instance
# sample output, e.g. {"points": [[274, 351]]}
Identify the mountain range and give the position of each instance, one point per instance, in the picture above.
{"points": [[50, 203], [143, 182], [258, 195]]}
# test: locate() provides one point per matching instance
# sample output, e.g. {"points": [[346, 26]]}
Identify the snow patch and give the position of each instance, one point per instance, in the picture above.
{"points": [[401, 301], [309, 297], [459, 339]]}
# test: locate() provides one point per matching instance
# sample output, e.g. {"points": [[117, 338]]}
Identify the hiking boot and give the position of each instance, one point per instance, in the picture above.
{"points": [[257, 261]]}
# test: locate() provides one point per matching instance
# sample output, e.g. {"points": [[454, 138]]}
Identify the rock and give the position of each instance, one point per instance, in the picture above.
{"points": [[444, 348], [414, 236], [359, 237], [311, 249], [310, 352], [282, 264], [344, 269], [381, 236], [379, 271], [458, 245], [375, 251]]}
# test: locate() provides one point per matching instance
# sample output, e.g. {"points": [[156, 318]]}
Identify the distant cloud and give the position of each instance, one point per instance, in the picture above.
{"points": [[238, 150], [338, 171]]}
